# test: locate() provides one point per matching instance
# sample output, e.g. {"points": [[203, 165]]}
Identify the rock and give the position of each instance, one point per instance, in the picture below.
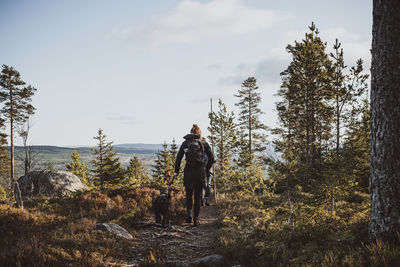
{"points": [[209, 261], [114, 229], [50, 183]]}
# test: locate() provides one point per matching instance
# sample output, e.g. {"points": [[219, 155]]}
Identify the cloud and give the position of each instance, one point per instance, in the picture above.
{"points": [[125, 119], [341, 34], [267, 71], [192, 22], [215, 66]]}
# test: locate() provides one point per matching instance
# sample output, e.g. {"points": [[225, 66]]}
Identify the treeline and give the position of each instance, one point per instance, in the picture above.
{"points": [[322, 140]]}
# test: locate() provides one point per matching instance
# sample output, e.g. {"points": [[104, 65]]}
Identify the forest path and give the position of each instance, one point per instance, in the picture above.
{"points": [[178, 244]]}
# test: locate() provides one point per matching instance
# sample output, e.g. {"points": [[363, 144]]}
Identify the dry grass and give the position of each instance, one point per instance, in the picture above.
{"points": [[265, 231], [59, 231]]}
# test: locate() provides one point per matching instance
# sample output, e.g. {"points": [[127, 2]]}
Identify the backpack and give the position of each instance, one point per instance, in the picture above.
{"points": [[194, 152]]}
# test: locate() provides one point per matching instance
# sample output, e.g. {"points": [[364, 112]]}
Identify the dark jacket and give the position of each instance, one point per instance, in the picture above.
{"points": [[194, 175]]}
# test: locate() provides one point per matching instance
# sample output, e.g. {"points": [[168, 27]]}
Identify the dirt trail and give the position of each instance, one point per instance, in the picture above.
{"points": [[179, 243]]}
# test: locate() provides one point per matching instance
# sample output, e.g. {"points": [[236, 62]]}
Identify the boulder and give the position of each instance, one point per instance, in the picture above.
{"points": [[209, 261], [50, 183], [113, 229]]}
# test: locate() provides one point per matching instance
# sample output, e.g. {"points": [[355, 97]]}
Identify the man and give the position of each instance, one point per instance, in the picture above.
{"points": [[195, 171]]}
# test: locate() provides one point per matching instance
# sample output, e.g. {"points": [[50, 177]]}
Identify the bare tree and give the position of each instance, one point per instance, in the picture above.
{"points": [[29, 156]]}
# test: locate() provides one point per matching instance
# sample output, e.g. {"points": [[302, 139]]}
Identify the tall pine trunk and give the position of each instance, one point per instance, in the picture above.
{"points": [[385, 120], [250, 152], [12, 142]]}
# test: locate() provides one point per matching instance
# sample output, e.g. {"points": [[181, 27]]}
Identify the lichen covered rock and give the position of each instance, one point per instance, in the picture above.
{"points": [[50, 183]]}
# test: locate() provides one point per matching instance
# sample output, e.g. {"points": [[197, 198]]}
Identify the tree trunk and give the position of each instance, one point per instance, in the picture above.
{"points": [[385, 121], [12, 141], [250, 152]]}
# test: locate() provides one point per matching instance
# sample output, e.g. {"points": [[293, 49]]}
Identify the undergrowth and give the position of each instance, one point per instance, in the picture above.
{"points": [[59, 231], [269, 230]]}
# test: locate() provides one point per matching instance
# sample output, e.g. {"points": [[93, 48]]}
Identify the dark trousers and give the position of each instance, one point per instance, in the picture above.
{"points": [[195, 190]]}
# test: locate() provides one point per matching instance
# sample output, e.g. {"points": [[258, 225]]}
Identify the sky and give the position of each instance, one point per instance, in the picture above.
{"points": [[144, 71]]}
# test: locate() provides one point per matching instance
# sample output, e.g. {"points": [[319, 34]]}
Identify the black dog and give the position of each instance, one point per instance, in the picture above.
{"points": [[161, 207]]}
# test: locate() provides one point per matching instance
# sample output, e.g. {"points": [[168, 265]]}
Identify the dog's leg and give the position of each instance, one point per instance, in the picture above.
{"points": [[158, 216]]}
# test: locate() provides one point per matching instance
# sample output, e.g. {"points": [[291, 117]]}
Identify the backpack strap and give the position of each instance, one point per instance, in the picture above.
{"points": [[202, 146]]}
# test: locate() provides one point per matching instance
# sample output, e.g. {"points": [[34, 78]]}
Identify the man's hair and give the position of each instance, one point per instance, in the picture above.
{"points": [[195, 130]]}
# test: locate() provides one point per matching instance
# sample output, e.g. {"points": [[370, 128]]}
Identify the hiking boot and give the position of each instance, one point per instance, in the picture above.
{"points": [[202, 202], [207, 201], [196, 221], [188, 219]]}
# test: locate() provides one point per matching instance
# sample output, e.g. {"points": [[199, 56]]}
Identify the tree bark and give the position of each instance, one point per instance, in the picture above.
{"points": [[385, 121]]}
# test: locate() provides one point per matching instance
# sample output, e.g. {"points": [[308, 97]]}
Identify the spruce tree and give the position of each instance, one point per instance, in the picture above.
{"points": [[17, 108], [162, 165], [173, 152], [224, 131], [79, 168], [107, 168], [136, 173], [252, 131]]}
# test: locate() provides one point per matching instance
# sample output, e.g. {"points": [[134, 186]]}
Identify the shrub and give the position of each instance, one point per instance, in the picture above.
{"points": [[3, 194]]}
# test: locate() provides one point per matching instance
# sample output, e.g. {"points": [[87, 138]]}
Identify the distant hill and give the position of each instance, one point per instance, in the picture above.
{"points": [[60, 156]]}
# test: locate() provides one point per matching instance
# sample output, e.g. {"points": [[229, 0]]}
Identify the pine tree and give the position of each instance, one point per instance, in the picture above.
{"points": [[356, 148], [17, 108], [79, 168], [108, 169], [340, 94], [252, 131], [136, 173], [224, 131], [346, 92], [305, 112]]}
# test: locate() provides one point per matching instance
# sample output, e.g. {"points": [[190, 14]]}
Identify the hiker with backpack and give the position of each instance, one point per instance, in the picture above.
{"points": [[195, 172]]}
